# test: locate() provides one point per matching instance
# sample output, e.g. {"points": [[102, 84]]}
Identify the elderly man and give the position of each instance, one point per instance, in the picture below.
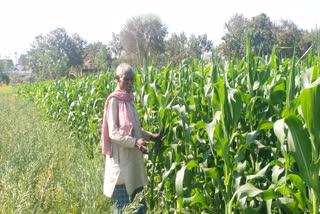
{"points": [[124, 142]]}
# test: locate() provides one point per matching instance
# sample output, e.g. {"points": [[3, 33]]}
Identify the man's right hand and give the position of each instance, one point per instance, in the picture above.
{"points": [[141, 145]]}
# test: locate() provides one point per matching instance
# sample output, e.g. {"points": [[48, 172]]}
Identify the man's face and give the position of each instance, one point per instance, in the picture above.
{"points": [[126, 81]]}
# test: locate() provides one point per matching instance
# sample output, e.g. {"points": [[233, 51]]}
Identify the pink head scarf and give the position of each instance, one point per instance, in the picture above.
{"points": [[125, 118]]}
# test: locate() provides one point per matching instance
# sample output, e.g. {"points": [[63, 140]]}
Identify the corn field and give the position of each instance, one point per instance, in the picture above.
{"points": [[243, 137]]}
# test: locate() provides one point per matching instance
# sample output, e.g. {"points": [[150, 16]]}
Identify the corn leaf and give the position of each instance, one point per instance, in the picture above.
{"points": [[300, 146], [310, 106]]}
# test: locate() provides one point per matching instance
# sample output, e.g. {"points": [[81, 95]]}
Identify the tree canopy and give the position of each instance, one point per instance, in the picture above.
{"points": [[264, 36], [142, 38], [50, 56]]}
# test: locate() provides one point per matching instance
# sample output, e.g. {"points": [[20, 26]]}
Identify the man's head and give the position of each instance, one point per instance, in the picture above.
{"points": [[125, 77]]}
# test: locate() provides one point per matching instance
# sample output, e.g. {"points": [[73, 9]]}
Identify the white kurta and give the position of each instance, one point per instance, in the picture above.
{"points": [[127, 164]]}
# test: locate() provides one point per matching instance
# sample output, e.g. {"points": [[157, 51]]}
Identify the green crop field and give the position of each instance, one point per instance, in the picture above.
{"points": [[243, 137]]}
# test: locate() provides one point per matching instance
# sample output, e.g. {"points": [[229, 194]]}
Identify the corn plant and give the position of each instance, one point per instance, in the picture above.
{"points": [[239, 137]]}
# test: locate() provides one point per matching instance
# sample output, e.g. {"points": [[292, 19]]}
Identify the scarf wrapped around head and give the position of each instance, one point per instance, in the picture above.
{"points": [[125, 119]]}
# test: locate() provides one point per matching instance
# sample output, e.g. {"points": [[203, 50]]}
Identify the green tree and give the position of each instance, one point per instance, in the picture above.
{"points": [[55, 64], [51, 56], [305, 42], [179, 47], [176, 48], [6, 65], [262, 36], [115, 46], [199, 46], [143, 38], [234, 41], [102, 60], [23, 60], [100, 54], [73, 46], [288, 36]]}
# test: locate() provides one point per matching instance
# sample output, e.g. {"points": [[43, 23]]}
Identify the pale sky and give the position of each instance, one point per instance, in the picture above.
{"points": [[95, 20]]}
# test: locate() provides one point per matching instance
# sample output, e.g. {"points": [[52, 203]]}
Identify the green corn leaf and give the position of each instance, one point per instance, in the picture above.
{"points": [[291, 86], [269, 194], [300, 201], [298, 183], [290, 203], [300, 146], [212, 173], [279, 129], [248, 190], [199, 198], [214, 72], [180, 175], [179, 181], [191, 164], [225, 107], [210, 127], [310, 106], [244, 191], [276, 172], [260, 174], [235, 104], [251, 137], [166, 175], [249, 61], [307, 77], [152, 95], [298, 143], [266, 125]]}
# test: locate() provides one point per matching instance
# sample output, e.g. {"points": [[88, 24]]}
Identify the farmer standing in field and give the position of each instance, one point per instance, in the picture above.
{"points": [[123, 141]]}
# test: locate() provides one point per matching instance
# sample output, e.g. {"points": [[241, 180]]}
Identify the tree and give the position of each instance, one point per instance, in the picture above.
{"points": [[234, 41], [305, 42], [36, 55], [179, 47], [288, 36], [6, 65], [199, 45], [100, 54], [176, 48], [73, 46], [262, 36], [142, 38], [102, 60], [4, 78], [55, 64], [23, 60], [51, 56], [115, 46]]}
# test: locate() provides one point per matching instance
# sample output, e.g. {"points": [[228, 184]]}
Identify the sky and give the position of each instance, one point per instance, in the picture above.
{"points": [[95, 20]]}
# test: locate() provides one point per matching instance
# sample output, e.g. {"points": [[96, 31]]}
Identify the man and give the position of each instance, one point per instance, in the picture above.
{"points": [[124, 143]]}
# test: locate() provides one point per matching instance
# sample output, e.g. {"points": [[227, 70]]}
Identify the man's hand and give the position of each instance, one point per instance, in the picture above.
{"points": [[155, 137], [141, 145]]}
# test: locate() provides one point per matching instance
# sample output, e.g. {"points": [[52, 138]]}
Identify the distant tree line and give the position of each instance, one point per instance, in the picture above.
{"points": [[265, 35], [145, 40]]}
